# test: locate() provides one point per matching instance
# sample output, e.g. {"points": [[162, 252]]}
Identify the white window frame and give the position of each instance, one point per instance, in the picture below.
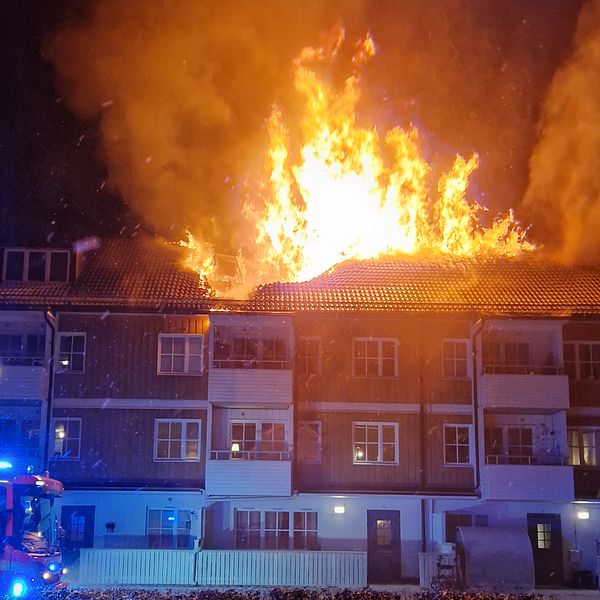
{"points": [[292, 532], [66, 420], [183, 442], [174, 531], [455, 360], [357, 460], [65, 369], [578, 362], [469, 429], [47, 263], [317, 444], [506, 456], [380, 359], [580, 447], [258, 452], [186, 354], [309, 357]]}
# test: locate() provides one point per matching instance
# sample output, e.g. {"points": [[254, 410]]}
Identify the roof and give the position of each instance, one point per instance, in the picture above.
{"points": [[142, 272], [526, 286]]}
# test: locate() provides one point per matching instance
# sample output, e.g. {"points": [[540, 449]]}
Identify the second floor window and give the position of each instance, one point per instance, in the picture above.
{"points": [[177, 440], [67, 438], [454, 359], [36, 265], [582, 360], [375, 357], [308, 356], [375, 443], [71, 352], [22, 349], [583, 447], [457, 450], [506, 357], [180, 354], [509, 445], [258, 440]]}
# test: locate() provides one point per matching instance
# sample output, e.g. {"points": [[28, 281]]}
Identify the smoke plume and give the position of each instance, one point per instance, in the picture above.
{"points": [[563, 197]]}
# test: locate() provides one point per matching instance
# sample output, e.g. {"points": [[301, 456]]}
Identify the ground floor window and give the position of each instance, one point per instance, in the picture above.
{"points": [[276, 529], [169, 528]]}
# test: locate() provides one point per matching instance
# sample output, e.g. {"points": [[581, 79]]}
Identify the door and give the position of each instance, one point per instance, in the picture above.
{"points": [[546, 542], [78, 525], [383, 546]]}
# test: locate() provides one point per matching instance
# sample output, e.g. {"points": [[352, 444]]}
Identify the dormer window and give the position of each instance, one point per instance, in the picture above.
{"points": [[25, 264]]}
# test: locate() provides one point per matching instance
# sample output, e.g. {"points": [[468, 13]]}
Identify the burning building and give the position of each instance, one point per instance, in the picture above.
{"points": [[363, 421]]}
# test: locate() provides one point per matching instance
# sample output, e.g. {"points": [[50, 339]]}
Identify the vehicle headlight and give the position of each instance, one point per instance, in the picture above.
{"points": [[46, 575]]}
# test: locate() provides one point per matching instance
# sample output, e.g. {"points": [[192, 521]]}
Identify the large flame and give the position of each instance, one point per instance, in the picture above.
{"points": [[349, 193]]}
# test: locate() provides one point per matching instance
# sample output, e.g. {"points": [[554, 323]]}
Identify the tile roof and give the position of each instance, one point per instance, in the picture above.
{"points": [[142, 272], [408, 284]]}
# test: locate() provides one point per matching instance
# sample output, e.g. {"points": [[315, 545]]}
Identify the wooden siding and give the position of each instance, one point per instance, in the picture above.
{"points": [[584, 393], [117, 448], [336, 471], [122, 353], [223, 568], [250, 386], [419, 377]]}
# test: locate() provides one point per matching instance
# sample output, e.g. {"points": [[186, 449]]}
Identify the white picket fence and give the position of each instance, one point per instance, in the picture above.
{"points": [[222, 568]]}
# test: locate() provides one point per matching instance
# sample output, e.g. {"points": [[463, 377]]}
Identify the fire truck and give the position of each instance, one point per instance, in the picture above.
{"points": [[30, 557]]}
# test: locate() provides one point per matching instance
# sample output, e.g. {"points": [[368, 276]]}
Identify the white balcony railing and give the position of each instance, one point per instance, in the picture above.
{"points": [[526, 459], [250, 455]]}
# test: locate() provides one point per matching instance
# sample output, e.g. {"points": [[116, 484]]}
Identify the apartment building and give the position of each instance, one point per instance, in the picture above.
{"points": [[381, 410]]}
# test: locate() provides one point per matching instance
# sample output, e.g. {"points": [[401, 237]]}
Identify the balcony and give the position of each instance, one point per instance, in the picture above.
{"points": [[527, 477], [23, 381], [250, 385], [524, 387], [249, 473]]}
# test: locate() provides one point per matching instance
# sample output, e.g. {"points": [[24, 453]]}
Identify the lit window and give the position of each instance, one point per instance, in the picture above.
{"points": [[258, 440], [309, 442], [177, 440], [67, 438], [169, 528], [71, 353], [454, 359], [374, 357], [457, 445], [582, 360], [375, 443], [383, 532], [583, 447], [180, 354], [308, 356], [544, 532]]}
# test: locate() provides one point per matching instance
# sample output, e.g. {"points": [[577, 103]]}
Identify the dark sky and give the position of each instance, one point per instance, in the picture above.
{"points": [[472, 75]]}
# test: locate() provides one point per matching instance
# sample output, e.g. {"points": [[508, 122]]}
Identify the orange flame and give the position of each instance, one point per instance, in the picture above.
{"points": [[348, 195]]}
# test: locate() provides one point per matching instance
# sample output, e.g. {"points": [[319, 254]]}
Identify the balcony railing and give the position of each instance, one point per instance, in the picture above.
{"points": [[526, 459], [495, 369], [21, 361], [237, 363], [281, 455]]}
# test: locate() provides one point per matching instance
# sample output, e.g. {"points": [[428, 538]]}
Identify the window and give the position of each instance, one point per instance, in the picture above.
{"points": [[506, 357], [308, 356], [454, 359], [22, 349], [276, 529], [543, 534], [258, 440], [375, 443], [169, 528], [383, 535], [180, 354], [509, 445], [375, 357], [36, 265], [309, 442], [177, 440], [582, 360], [71, 352], [583, 447], [457, 445], [67, 438], [249, 348]]}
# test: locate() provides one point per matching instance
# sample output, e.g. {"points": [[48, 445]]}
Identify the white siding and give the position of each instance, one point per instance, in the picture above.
{"points": [[248, 386], [248, 478], [532, 392], [26, 383], [524, 482]]}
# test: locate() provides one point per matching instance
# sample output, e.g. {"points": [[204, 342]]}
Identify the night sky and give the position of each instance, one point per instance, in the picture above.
{"points": [[472, 75]]}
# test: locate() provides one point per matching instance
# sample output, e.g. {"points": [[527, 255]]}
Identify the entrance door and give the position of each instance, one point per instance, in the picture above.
{"points": [[78, 525], [383, 553], [546, 542]]}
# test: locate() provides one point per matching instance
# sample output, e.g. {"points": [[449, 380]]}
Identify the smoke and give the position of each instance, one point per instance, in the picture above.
{"points": [[563, 197], [181, 90]]}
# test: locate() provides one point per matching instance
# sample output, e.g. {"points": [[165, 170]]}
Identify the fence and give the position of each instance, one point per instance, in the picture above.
{"points": [[222, 568]]}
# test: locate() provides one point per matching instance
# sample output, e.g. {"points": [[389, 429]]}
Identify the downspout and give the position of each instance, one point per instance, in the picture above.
{"points": [[474, 383], [50, 319], [423, 445]]}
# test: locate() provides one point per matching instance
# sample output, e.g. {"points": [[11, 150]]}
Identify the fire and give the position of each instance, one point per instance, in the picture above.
{"points": [[351, 193]]}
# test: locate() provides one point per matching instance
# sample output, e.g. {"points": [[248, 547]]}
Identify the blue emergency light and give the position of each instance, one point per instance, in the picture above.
{"points": [[5, 465]]}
